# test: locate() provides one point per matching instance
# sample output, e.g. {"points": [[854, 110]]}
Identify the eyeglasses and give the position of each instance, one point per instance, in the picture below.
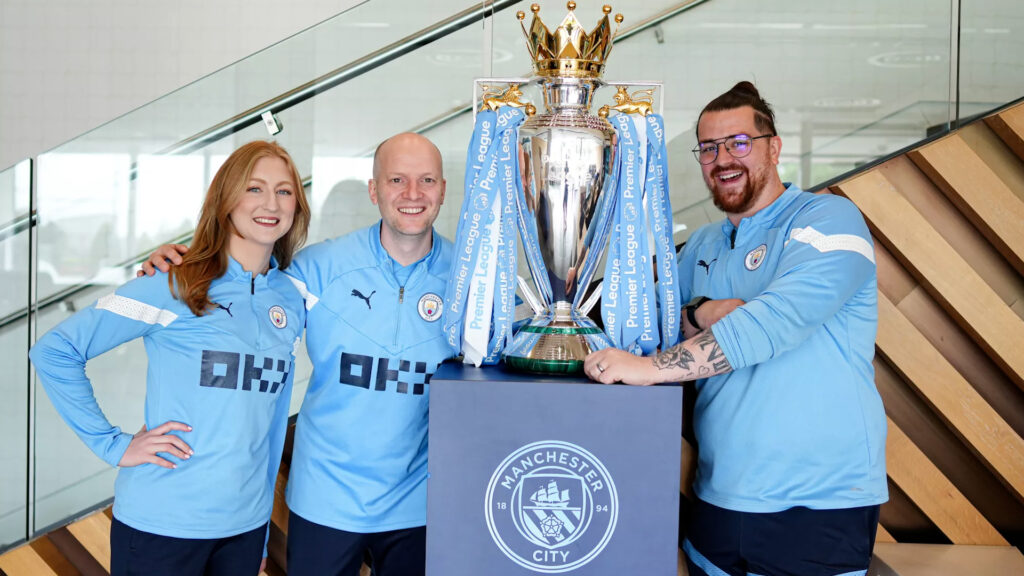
{"points": [[738, 145]]}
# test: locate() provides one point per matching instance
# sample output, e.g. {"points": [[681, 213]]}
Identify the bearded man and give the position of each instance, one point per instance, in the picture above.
{"points": [[780, 336]]}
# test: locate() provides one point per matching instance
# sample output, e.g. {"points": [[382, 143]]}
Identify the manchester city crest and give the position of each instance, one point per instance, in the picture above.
{"points": [[551, 507], [755, 257], [429, 307], [278, 317]]}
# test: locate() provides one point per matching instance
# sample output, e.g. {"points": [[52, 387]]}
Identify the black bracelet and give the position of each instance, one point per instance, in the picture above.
{"points": [[691, 310]]}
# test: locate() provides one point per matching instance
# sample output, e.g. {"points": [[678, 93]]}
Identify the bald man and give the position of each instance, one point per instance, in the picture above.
{"points": [[357, 488]]}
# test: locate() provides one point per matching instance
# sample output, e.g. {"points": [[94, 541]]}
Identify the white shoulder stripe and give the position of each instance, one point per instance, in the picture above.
{"points": [[135, 310], [308, 296], [831, 242]]}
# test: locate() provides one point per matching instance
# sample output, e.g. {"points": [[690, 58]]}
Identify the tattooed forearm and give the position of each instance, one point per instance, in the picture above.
{"points": [[714, 355], [674, 357], [698, 357]]}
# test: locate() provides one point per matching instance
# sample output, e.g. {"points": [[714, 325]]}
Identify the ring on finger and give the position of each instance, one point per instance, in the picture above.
{"points": [[600, 368]]}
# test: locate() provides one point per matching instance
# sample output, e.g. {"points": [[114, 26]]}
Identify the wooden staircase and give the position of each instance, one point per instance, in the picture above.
{"points": [[948, 225]]}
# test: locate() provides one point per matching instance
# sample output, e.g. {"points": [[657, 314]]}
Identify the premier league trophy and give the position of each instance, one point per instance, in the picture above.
{"points": [[563, 493], [560, 183], [568, 156]]}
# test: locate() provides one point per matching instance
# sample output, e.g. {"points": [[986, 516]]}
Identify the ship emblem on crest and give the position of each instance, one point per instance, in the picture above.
{"points": [[554, 512], [551, 507]]}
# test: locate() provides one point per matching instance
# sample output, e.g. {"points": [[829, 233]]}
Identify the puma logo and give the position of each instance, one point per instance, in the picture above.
{"points": [[359, 294], [227, 309], [706, 265]]}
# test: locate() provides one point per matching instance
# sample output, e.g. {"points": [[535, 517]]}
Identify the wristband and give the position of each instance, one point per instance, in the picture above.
{"points": [[691, 310]]}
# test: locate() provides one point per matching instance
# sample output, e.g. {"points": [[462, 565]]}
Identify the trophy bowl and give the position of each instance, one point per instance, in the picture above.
{"points": [[566, 155]]}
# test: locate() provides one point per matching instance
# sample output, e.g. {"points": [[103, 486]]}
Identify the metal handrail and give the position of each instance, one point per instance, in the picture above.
{"points": [[18, 225], [343, 74]]}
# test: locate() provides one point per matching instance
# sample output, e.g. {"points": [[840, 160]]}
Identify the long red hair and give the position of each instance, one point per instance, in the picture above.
{"points": [[207, 257]]}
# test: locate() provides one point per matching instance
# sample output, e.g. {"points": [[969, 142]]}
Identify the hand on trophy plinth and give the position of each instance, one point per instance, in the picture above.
{"points": [[612, 365]]}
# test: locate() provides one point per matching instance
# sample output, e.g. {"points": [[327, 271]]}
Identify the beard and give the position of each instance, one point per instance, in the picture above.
{"points": [[736, 202]]}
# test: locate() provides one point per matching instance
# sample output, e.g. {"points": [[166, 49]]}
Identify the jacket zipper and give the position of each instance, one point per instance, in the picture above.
{"points": [[398, 316], [252, 307]]}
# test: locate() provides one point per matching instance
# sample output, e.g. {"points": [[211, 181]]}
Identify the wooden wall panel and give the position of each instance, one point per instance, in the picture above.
{"points": [[951, 395], [948, 221], [69, 547], [934, 494], [93, 532], [923, 251], [904, 520], [956, 346], [977, 192], [25, 561], [56, 561], [963, 354], [687, 469], [931, 435], [1009, 125], [953, 227], [996, 155], [883, 535], [893, 281]]}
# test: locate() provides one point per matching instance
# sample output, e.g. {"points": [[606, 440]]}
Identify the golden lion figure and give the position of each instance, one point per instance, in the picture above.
{"points": [[640, 102], [494, 99]]}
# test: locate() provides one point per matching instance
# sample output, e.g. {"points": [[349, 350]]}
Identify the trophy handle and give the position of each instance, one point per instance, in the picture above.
{"points": [[638, 102], [530, 297]]}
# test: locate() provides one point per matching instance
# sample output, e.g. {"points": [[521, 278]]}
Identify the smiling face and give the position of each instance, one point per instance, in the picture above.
{"points": [[739, 186], [408, 188], [266, 208]]}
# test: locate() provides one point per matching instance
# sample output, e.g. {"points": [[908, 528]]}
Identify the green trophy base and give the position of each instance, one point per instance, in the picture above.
{"points": [[547, 346]]}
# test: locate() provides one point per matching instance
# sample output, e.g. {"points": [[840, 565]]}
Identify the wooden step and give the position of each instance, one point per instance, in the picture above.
{"points": [[1009, 125], [93, 532], [945, 560], [24, 561]]}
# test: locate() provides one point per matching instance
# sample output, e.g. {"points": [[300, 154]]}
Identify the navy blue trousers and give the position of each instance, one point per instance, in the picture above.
{"points": [[137, 553], [316, 550], [794, 542]]}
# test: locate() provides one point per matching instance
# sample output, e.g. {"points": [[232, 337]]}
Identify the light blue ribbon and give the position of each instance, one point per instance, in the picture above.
{"points": [[492, 175], [629, 303], [659, 207]]}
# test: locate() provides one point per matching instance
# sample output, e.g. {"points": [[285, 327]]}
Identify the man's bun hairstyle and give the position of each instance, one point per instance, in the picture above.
{"points": [[744, 94]]}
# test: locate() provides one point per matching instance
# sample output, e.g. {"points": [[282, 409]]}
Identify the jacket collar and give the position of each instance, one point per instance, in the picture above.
{"points": [[236, 273], [389, 265], [764, 217]]}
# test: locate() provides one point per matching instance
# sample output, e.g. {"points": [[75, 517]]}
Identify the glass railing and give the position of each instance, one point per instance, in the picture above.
{"points": [[848, 87], [15, 257]]}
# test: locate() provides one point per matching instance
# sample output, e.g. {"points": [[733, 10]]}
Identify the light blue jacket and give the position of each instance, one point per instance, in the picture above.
{"points": [[227, 374], [798, 422], [360, 457]]}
